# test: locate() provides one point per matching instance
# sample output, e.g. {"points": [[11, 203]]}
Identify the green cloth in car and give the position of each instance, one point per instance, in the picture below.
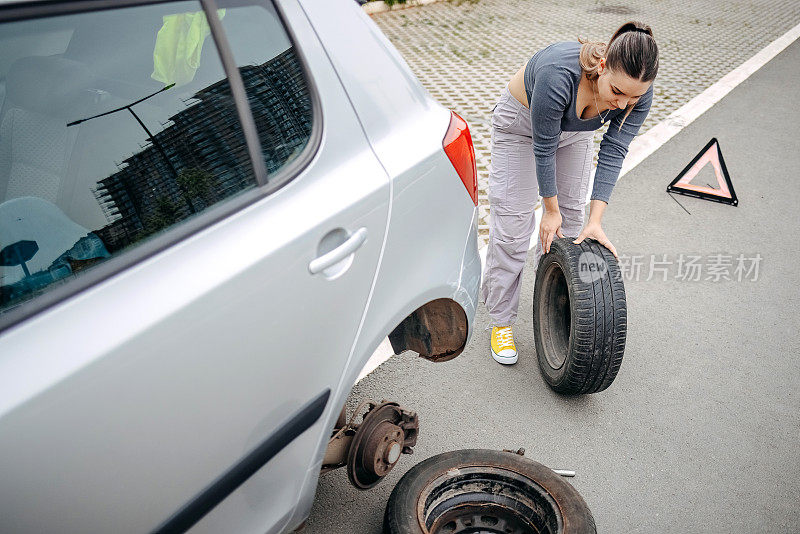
{"points": [[179, 44]]}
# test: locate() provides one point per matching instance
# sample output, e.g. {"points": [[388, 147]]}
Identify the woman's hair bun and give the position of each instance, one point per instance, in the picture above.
{"points": [[632, 26]]}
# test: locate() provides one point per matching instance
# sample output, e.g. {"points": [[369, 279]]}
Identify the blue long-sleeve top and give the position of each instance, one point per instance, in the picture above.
{"points": [[552, 76]]}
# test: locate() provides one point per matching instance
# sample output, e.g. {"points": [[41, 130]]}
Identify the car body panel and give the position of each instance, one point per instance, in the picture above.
{"points": [[431, 243], [115, 425]]}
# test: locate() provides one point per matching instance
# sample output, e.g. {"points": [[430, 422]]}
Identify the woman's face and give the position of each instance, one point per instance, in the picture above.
{"points": [[617, 89]]}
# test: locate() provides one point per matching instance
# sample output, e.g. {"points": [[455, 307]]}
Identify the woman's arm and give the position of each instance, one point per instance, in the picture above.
{"points": [[614, 146], [596, 209], [593, 228], [549, 98], [613, 149]]}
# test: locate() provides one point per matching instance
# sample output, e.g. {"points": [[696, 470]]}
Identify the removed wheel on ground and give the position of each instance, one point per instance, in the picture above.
{"points": [[485, 491], [579, 316]]}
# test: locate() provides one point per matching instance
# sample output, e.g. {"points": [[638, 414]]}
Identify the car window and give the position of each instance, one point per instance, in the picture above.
{"points": [[273, 78], [117, 126]]}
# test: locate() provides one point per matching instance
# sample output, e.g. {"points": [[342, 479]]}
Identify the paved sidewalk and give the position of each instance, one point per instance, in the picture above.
{"points": [[464, 51], [700, 433]]}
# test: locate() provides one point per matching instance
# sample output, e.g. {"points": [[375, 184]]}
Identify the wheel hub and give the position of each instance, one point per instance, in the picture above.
{"points": [[387, 432]]}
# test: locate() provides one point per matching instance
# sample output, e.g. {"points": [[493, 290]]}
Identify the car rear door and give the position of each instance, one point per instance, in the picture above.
{"points": [[180, 372]]}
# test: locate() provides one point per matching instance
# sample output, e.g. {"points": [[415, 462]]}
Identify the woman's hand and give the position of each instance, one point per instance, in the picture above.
{"points": [[550, 226], [593, 230]]}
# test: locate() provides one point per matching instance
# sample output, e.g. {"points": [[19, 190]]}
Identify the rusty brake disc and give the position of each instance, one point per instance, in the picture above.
{"points": [[387, 432]]}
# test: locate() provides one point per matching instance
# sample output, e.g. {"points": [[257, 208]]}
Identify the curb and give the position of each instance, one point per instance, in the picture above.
{"points": [[370, 8]]}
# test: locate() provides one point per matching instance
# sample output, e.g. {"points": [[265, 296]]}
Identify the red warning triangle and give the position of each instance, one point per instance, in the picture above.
{"points": [[713, 155]]}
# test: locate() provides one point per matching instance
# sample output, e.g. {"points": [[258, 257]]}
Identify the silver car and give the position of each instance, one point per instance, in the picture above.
{"points": [[211, 214]]}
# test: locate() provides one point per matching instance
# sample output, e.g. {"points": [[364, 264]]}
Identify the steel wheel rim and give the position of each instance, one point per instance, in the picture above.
{"points": [[487, 500], [557, 316]]}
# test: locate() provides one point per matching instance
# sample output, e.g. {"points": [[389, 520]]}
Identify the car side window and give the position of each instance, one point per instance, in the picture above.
{"points": [[119, 125], [277, 90]]}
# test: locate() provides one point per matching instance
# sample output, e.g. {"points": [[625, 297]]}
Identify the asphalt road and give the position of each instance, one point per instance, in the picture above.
{"points": [[700, 432]]}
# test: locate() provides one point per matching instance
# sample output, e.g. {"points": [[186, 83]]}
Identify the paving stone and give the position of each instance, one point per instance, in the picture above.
{"points": [[465, 51]]}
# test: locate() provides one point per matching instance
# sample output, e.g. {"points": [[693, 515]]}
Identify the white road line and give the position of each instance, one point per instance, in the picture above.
{"points": [[381, 354], [650, 141]]}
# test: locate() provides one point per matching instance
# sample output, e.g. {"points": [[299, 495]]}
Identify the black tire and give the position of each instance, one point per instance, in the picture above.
{"points": [[487, 491], [580, 316]]}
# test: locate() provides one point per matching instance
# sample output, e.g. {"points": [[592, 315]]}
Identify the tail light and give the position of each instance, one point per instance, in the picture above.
{"points": [[458, 147]]}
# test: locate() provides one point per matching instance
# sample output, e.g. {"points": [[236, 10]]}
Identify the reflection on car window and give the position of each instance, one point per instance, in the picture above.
{"points": [[273, 78], [119, 125]]}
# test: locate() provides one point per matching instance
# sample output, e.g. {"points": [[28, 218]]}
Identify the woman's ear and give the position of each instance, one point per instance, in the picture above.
{"points": [[602, 66]]}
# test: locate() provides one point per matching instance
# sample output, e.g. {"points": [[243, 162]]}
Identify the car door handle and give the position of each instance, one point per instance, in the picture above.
{"points": [[338, 254]]}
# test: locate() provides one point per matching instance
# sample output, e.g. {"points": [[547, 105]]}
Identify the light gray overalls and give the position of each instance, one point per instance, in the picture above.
{"points": [[513, 193]]}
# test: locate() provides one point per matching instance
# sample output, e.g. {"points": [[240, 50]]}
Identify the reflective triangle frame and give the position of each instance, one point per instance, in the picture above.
{"points": [[682, 186]]}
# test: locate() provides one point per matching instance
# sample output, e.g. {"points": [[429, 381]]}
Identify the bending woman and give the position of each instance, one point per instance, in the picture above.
{"points": [[545, 148]]}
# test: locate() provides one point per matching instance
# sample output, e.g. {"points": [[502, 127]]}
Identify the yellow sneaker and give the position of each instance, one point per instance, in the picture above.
{"points": [[503, 349]]}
